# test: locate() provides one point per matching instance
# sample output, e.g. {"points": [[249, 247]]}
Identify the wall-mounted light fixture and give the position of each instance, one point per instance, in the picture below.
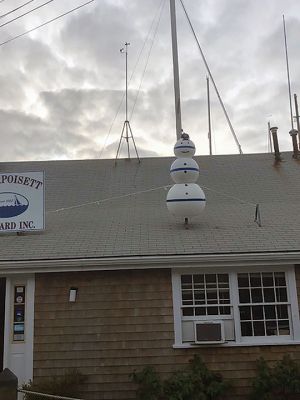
{"points": [[73, 294]]}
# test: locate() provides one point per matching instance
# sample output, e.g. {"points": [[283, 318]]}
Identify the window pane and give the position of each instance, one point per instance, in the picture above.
{"points": [[280, 279], [270, 312], [259, 328], [199, 296], [271, 328], [224, 296], [243, 280], [224, 310], [281, 295], [212, 297], [267, 278], [269, 295], [223, 280], [211, 280], [257, 312], [200, 311], [284, 327], [246, 329], [186, 281], [245, 313], [256, 295], [244, 296], [255, 280], [199, 281], [212, 311], [188, 312], [187, 297], [282, 312]]}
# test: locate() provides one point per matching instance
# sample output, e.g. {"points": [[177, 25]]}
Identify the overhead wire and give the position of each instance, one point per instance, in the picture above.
{"points": [[148, 56], [46, 23], [131, 76], [15, 9], [212, 79], [26, 13]]}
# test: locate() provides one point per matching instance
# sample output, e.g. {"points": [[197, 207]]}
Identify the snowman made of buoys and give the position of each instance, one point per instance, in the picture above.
{"points": [[185, 198]]}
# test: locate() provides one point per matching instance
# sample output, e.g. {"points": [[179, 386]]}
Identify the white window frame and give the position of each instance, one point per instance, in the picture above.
{"points": [[293, 338]]}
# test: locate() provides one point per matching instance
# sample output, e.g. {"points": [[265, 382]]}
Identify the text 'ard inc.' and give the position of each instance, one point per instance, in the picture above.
{"points": [[12, 226]]}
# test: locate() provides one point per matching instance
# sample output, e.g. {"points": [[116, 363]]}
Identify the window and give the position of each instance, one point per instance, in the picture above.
{"points": [[205, 294], [251, 306], [263, 304]]}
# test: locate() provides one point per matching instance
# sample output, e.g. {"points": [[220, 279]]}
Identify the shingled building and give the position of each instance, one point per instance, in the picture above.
{"points": [[115, 283]]}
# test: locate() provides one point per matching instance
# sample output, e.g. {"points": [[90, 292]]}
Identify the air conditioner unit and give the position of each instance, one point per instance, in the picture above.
{"points": [[209, 332]]}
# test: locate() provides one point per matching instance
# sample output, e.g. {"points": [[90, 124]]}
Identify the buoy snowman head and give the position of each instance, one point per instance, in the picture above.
{"points": [[185, 198]]}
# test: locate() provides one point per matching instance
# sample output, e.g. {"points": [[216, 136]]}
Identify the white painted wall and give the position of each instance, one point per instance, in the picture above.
{"points": [[18, 356]]}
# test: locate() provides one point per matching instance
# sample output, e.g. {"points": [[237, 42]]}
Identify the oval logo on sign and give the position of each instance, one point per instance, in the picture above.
{"points": [[12, 204]]}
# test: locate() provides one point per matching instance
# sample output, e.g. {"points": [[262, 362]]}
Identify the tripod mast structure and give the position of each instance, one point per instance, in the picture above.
{"points": [[126, 130]]}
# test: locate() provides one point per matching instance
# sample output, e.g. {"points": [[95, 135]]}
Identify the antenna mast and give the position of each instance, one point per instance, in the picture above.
{"points": [[288, 72], [209, 118], [126, 130], [175, 69]]}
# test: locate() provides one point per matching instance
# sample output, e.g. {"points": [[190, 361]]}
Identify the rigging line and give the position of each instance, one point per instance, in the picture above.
{"points": [[46, 23], [109, 199], [145, 41], [148, 56], [131, 76], [15, 9], [26, 13], [98, 202], [229, 196], [212, 79]]}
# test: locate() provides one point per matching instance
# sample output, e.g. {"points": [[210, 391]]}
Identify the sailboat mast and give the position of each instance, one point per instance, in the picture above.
{"points": [[288, 72], [175, 69], [208, 114]]}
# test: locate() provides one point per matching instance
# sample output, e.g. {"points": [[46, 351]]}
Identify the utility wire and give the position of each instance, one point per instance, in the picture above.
{"points": [[148, 56], [46, 23], [15, 9], [27, 12], [212, 79]]}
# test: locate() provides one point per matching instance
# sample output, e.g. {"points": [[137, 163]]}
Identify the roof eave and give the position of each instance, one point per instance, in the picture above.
{"points": [[145, 262]]}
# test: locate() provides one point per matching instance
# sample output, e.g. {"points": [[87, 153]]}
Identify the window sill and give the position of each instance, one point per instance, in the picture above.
{"points": [[235, 344]]}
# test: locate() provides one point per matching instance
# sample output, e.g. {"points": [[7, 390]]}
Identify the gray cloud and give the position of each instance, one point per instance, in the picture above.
{"points": [[61, 86]]}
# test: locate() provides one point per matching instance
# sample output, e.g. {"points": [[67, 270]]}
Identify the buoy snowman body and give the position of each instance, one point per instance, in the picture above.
{"points": [[185, 198]]}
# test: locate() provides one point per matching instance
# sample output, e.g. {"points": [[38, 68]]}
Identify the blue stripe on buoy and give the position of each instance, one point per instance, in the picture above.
{"points": [[172, 200], [184, 169], [184, 147]]}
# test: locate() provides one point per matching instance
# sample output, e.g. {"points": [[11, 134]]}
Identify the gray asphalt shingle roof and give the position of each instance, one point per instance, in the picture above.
{"points": [[141, 225]]}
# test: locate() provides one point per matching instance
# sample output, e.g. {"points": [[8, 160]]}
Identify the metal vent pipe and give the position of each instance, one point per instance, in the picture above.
{"points": [[274, 130], [294, 134]]}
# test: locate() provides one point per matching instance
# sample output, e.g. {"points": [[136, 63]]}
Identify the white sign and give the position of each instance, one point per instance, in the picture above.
{"points": [[22, 202]]}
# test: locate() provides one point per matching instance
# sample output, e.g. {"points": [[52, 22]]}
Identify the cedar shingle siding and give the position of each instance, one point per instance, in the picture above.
{"points": [[121, 321]]}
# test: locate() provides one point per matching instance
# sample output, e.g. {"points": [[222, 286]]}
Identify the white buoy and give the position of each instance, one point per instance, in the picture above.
{"points": [[184, 148], [185, 199], [184, 170]]}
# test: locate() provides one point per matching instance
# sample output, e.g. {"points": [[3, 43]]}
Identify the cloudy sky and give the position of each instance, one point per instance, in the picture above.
{"points": [[62, 85]]}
